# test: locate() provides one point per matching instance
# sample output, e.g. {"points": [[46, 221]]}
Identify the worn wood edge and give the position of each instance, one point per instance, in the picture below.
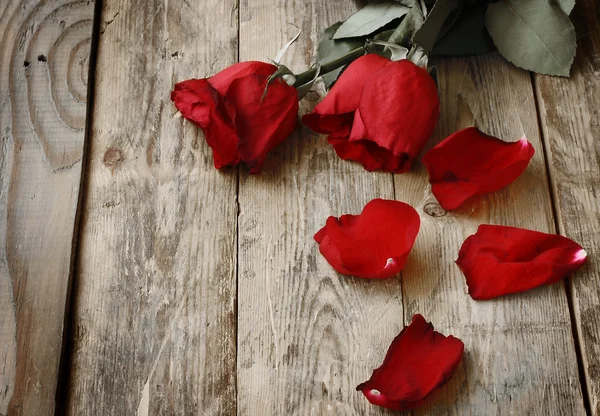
{"points": [[152, 368], [42, 29], [302, 373], [572, 301], [547, 223], [569, 117], [62, 391]]}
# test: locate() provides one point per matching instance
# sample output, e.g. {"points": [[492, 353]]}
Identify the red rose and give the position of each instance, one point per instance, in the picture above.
{"points": [[419, 361], [374, 244], [228, 108], [379, 113], [469, 163], [499, 260]]}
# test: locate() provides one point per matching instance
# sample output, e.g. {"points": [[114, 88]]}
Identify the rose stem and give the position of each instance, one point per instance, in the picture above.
{"points": [[309, 75]]}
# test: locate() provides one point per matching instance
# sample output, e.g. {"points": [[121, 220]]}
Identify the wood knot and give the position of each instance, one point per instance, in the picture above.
{"points": [[434, 209], [112, 157]]}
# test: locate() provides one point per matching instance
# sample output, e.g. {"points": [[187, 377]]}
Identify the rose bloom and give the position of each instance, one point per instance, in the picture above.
{"points": [[379, 113], [240, 125]]}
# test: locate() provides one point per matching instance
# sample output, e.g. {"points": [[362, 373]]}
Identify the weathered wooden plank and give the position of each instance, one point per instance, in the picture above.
{"points": [[519, 351], [155, 289], [44, 47], [306, 335], [570, 114]]}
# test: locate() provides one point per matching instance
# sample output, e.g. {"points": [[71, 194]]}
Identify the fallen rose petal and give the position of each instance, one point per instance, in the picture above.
{"points": [[499, 260], [418, 361], [238, 122], [374, 244], [469, 163]]}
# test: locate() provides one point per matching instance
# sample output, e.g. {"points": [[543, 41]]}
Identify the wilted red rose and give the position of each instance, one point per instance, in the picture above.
{"points": [[379, 113], [238, 126], [469, 163], [374, 244], [499, 260], [418, 361]]}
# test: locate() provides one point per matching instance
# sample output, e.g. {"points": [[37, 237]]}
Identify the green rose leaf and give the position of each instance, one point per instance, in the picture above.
{"points": [[438, 21], [330, 49], [409, 25], [533, 34], [468, 36], [565, 5], [385, 35], [429, 4], [370, 18]]}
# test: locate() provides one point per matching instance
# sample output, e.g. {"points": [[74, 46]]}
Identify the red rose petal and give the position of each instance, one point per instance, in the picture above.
{"points": [[400, 108], [418, 361], [200, 103], [344, 96], [374, 244], [222, 80], [359, 130], [371, 156], [262, 125], [469, 163], [499, 260]]}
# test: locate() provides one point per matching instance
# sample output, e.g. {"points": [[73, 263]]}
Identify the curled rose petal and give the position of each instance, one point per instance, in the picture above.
{"points": [[238, 123], [261, 125], [374, 244], [469, 163], [499, 260], [418, 361], [379, 113]]}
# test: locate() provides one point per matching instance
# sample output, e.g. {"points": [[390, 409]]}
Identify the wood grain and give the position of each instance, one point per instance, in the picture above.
{"points": [[306, 335], [519, 352], [44, 47], [570, 118], [155, 288]]}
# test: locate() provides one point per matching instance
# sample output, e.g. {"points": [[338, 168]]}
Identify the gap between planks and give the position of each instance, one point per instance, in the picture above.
{"points": [[576, 333], [64, 372]]}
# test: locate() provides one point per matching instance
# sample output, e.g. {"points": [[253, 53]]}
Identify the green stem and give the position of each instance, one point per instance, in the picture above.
{"points": [[411, 52], [309, 75]]}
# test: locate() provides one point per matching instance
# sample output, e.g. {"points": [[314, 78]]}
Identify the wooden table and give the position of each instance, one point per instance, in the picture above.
{"points": [[134, 277]]}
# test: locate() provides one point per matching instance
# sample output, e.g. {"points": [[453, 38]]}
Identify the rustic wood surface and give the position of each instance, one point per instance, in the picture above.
{"points": [[199, 291], [519, 351], [44, 48], [570, 115], [155, 290], [306, 336]]}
